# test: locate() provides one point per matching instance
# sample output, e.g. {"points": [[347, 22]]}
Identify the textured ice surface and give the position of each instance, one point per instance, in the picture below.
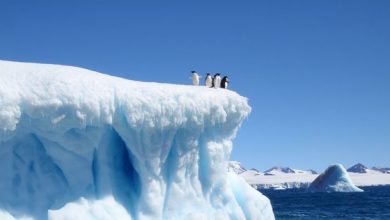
{"points": [[334, 179], [77, 141]]}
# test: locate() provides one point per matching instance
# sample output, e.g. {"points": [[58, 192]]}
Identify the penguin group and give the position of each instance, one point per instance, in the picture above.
{"points": [[211, 81]]}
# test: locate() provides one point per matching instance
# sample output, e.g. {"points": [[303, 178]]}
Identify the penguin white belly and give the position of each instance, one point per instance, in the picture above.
{"points": [[217, 83], [209, 82], [195, 81]]}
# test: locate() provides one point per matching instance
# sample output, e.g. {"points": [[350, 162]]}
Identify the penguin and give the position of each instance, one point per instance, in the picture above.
{"points": [[195, 78], [209, 81], [217, 81], [224, 82]]}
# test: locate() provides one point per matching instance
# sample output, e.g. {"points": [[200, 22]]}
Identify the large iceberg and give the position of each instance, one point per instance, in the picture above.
{"points": [[334, 179], [77, 144]]}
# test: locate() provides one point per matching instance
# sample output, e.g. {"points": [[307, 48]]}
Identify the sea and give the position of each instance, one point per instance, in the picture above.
{"points": [[372, 204]]}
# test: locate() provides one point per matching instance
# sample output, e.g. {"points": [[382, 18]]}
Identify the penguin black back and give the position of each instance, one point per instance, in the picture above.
{"points": [[224, 82]]}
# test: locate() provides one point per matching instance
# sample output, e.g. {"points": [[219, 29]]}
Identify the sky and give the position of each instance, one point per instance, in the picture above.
{"points": [[316, 73]]}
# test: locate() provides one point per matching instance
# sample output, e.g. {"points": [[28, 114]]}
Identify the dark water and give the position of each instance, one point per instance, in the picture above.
{"points": [[373, 203]]}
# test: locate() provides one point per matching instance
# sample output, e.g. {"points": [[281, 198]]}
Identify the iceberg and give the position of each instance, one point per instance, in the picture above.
{"points": [[78, 144], [334, 179]]}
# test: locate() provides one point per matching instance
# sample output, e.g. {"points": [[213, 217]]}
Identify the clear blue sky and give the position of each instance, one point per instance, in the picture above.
{"points": [[317, 73]]}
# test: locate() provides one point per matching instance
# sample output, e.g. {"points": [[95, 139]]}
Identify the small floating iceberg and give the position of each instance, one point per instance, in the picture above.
{"points": [[334, 179]]}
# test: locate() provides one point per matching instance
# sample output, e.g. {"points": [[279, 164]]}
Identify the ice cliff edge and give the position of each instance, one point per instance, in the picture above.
{"points": [[77, 144]]}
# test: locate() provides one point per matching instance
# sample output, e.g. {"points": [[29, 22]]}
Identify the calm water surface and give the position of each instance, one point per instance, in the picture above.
{"points": [[373, 203]]}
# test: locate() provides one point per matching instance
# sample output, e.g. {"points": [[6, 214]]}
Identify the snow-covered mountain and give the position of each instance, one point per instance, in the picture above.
{"points": [[334, 179], [382, 170], [311, 171], [77, 144], [358, 168], [278, 170], [286, 178], [236, 167], [286, 170]]}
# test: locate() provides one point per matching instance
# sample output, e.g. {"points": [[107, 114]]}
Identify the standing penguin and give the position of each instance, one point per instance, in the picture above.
{"points": [[195, 78], [224, 82], [217, 81], [209, 81]]}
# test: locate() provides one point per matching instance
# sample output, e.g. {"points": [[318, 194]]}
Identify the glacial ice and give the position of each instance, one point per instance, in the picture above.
{"points": [[77, 144], [334, 179]]}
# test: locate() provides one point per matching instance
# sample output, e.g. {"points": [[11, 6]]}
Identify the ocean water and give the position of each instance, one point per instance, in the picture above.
{"points": [[372, 204]]}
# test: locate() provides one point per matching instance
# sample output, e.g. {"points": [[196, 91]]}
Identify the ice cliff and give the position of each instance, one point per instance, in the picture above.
{"points": [[334, 179], [77, 144]]}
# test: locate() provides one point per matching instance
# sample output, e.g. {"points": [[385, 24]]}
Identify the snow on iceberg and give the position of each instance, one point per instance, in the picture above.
{"points": [[77, 141], [334, 179]]}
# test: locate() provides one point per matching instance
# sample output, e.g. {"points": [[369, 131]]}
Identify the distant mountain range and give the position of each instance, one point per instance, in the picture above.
{"points": [[360, 168], [285, 177], [278, 170], [235, 166], [383, 170], [238, 168]]}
